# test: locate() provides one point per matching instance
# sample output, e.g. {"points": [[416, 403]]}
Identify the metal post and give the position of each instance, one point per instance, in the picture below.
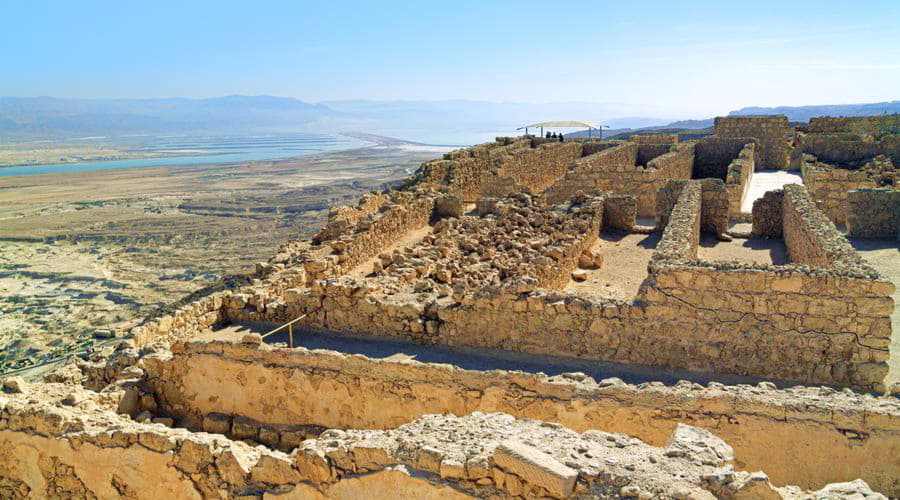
{"points": [[291, 335]]}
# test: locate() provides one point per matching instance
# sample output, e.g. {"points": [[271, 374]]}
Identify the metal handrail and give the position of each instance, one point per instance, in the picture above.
{"points": [[290, 327]]}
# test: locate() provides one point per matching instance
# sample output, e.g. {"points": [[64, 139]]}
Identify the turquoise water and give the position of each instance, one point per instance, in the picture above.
{"points": [[220, 149]]}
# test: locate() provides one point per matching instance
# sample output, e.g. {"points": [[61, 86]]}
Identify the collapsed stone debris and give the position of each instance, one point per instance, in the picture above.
{"points": [[499, 248]]}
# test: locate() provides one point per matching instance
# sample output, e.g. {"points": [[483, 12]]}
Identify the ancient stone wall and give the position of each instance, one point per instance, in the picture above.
{"points": [[340, 219], [505, 166], [713, 155], [618, 170], [846, 149], [768, 426], [846, 124], [619, 212], [654, 138], [768, 215], [681, 226], [873, 213], [714, 208], [811, 239], [771, 131], [55, 449]]}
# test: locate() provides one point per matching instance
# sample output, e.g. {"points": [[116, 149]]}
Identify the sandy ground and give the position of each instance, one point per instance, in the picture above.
{"points": [[754, 250], [767, 180], [84, 253], [884, 256], [625, 260]]}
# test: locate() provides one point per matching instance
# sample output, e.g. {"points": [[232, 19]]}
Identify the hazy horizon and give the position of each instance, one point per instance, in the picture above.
{"points": [[660, 60]]}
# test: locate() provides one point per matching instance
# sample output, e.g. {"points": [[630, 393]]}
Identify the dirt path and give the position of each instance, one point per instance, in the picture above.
{"points": [[625, 260]]}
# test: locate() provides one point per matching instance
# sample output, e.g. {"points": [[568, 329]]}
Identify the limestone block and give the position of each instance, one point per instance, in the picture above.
{"points": [[275, 470], [536, 467], [698, 445]]}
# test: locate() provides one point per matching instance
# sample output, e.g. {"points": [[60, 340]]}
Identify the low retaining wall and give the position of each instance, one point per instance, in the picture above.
{"points": [[794, 435]]}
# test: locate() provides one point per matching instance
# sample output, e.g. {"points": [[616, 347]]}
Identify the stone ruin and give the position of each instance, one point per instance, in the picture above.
{"points": [[476, 257]]}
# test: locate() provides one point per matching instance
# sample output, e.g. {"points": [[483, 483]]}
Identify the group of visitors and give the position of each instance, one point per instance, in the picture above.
{"points": [[554, 136]]}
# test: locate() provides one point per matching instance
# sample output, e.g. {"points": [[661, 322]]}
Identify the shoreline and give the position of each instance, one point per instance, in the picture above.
{"points": [[373, 142]]}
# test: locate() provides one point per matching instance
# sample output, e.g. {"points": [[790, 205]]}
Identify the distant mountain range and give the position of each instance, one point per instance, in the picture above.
{"points": [[48, 117], [804, 113]]}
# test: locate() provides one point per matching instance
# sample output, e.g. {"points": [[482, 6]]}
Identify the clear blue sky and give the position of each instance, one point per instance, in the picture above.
{"points": [[666, 58]]}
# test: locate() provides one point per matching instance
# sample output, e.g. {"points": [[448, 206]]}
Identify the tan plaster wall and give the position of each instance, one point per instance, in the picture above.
{"points": [[795, 436]]}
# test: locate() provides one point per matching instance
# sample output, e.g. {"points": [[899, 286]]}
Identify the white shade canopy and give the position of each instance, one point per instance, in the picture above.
{"points": [[562, 124]]}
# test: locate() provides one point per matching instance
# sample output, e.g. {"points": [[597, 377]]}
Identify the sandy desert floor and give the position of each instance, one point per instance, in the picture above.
{"points": [[84, 256]]}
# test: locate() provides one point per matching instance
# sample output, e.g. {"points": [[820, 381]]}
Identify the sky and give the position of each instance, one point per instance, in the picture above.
{"points": [[687, 59]]}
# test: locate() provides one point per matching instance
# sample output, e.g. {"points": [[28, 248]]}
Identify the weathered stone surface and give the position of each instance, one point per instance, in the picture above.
{"points": [[698, 445], [536, 467]]}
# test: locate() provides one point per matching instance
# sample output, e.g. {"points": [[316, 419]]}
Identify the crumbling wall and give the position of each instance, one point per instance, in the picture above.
{"points": [[50, 450], [502, 167], [873, 213], [767, 426], [617, 170], [341, 218], [406, 212], [771, 131]]}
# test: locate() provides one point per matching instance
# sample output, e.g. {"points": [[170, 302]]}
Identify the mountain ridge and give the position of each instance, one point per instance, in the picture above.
{"points": [[51, 117]]}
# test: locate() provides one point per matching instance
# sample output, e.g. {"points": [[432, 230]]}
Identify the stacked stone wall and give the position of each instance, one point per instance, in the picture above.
{"points": [[771, 131], [810, 325], [505, 166], [846, 124], [681, 229], [873, 213], [713, 155], [407, 211], [737, 181], [342, 218], [617, 170], [654, 138], [843, 149], [620, 212], [714, 211], [829, 185], [768, 215], [813, 240]]}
